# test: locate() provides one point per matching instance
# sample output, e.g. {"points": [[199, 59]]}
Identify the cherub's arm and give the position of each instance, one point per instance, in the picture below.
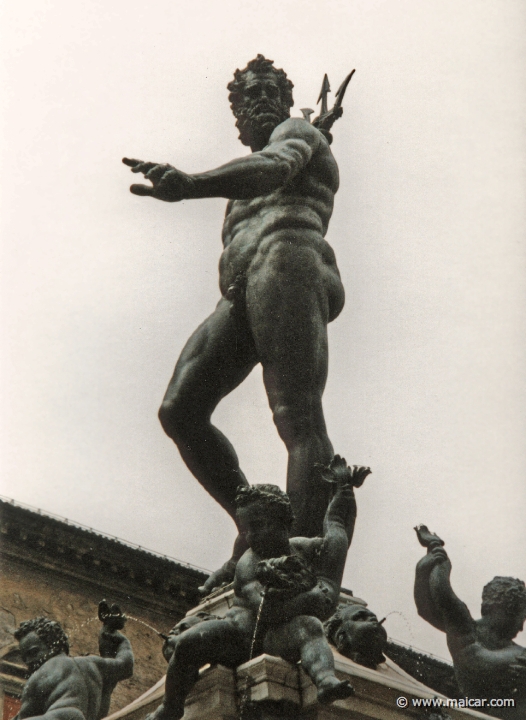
{"points": [[116, 657], [341, 512], [435, 599], [329, 553], [338, 524], [455, 614], [290, 148]]}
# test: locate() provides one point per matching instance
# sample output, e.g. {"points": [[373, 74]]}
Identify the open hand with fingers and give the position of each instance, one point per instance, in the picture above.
{"points": [[168, 183], [341, 474]]}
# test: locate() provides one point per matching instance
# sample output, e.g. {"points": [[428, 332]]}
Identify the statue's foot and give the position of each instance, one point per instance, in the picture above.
{"points": [[173, 712], [332, 689]]}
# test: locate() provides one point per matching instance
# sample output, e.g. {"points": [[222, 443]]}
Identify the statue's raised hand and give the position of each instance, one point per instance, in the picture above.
{"points": [[111, 617], [341, 474], [168, 183], [435, 556]]}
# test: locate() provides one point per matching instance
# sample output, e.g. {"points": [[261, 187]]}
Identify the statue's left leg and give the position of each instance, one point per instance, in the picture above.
{"points": [[303, 639], [288, 310]]}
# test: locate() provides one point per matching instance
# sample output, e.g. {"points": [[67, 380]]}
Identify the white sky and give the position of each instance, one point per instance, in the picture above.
{"points": [[101, 289]]}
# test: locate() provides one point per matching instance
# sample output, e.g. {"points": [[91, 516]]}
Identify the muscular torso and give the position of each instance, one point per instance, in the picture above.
{"points": [[484, 672], [64, 683], [295, 215], [476, 662]]}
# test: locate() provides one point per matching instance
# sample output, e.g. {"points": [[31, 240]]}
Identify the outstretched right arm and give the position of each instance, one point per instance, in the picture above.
{"points": [[291, 146]]}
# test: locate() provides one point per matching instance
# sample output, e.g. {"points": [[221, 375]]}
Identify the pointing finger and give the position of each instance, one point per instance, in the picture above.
{"points": [[144, 167], [130, 162], [142, 190]]}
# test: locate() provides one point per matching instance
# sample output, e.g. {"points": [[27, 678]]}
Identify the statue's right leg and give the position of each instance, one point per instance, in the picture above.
{"points": [[216, 359], [214, 641], [303, 639]]}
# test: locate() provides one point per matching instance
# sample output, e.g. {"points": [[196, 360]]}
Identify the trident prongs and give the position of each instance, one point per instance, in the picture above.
{"points": [[341, 91], [324, 92], [327, 118]]}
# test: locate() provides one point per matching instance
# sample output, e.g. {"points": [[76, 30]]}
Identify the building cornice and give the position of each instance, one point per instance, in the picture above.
{"points": [[85, 556]]}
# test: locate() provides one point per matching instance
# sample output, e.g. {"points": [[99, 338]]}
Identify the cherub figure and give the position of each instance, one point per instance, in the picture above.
{"points": [[64, 688], [171, 640], [284, 589], [357, 634], [488, 664]]}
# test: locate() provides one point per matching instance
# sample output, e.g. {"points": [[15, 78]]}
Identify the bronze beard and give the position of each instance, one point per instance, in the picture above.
{"points": [[257, 119]]}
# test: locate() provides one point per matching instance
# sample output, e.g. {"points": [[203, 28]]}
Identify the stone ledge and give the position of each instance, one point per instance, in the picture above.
{"points": [[268, 688]]}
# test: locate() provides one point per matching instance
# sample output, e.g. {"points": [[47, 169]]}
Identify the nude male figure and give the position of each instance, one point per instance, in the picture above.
{"points": [[280, 288], [489, 666], [64, 688]]}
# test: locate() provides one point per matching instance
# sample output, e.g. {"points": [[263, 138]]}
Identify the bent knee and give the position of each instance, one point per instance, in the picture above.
{"points": [[179, 419], [300, 418], [311, 623], [188, 645], [170, 419]]}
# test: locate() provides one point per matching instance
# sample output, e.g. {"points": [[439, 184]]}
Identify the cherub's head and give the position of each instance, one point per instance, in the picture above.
{"points": [[357, 634], [261, 98], [265, 517], [504, 604], [39, 640]]}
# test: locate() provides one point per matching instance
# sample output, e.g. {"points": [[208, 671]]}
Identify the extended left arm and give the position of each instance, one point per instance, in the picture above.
{"points": [[341, 512], [329, 553]]}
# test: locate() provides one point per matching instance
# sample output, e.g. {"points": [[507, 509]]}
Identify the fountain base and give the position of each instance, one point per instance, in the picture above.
{"points": [[268, 688]]}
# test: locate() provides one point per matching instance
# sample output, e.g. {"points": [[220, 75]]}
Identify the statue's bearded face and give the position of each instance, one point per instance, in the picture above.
{"points": [[35, 651], [261, 110]]}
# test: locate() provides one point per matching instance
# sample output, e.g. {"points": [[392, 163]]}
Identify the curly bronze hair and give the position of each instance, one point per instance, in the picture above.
{"points": [[260, 66], [269, 497], [49, 631], [365, 648], [243, 108], [504, 592]]}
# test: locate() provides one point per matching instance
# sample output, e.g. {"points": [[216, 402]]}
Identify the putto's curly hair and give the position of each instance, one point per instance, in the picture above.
{"points": [[504, 592], [269, 497], [49, 631], [333, 624], [260, 66], [368, 653]]}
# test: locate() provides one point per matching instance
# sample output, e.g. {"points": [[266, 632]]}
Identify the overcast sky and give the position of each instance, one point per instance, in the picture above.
{"points": [[101, 289]]}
